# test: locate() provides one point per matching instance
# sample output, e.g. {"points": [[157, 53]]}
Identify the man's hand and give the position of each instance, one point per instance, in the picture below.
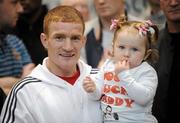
{"points": [[6, 83]]}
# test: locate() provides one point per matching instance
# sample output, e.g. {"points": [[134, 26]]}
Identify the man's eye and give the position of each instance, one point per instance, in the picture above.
{"points": [[121, 47], [15, 1], [76, 38], [60, 38]]}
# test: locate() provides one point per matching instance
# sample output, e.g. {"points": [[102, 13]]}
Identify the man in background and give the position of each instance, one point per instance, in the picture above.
{"points": [[30, 26], [15, 62], [81, 6], [99, 38], [166, 102]]}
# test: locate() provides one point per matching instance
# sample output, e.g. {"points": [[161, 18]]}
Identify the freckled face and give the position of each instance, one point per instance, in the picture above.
{"points": [[130, 46], [63, 43]]}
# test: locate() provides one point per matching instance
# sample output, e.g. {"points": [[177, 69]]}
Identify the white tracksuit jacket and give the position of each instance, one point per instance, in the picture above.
{"points": [[42, 97]]}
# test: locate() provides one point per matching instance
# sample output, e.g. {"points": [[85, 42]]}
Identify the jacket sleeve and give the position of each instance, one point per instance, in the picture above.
{"points": [[15, 109], [98, 79], [141, 89]]}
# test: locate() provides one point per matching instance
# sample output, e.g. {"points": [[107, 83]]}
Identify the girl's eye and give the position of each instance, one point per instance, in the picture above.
{"points": [[134, 49], [121, 47]]}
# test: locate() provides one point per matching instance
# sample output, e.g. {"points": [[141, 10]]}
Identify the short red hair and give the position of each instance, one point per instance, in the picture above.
{"points": [[62, 14]]}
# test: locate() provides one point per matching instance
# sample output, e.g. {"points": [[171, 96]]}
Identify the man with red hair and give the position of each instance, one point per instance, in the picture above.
{"points": [[53, 92]]}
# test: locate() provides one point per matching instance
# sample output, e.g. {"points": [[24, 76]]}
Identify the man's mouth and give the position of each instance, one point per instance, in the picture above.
{"points": [[67, 55], [174, 10]]}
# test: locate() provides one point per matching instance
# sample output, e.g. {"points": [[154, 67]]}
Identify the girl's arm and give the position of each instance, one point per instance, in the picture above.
{"points": [[142, 90]]}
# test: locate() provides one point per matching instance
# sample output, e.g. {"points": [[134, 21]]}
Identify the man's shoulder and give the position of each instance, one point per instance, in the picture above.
{"points": [[14, 42], [164, 37], [26, 82], [12, 39]]}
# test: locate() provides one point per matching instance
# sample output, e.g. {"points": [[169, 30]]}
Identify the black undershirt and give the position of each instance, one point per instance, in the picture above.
{"points": [[174, 87]]}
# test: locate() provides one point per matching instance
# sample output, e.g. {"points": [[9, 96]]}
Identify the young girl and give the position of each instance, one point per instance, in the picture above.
{"points": [[126, 83]]}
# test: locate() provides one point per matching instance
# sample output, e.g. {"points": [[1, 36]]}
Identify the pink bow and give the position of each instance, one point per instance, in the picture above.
{"points": [[114, 24], [143, 29], [149, 23]]}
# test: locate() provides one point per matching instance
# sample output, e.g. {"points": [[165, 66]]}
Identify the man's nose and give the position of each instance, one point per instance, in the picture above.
{"points": [[19, 8], [174, 2], [100, 1], [68, 45]]}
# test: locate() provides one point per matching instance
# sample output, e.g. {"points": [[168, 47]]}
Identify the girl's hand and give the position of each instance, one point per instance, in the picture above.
{"points": [[89, 85], [121, 66]]}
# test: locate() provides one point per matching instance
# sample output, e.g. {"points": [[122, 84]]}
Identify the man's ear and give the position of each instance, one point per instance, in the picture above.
{"points": [[44, 41], [149, 51]]}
